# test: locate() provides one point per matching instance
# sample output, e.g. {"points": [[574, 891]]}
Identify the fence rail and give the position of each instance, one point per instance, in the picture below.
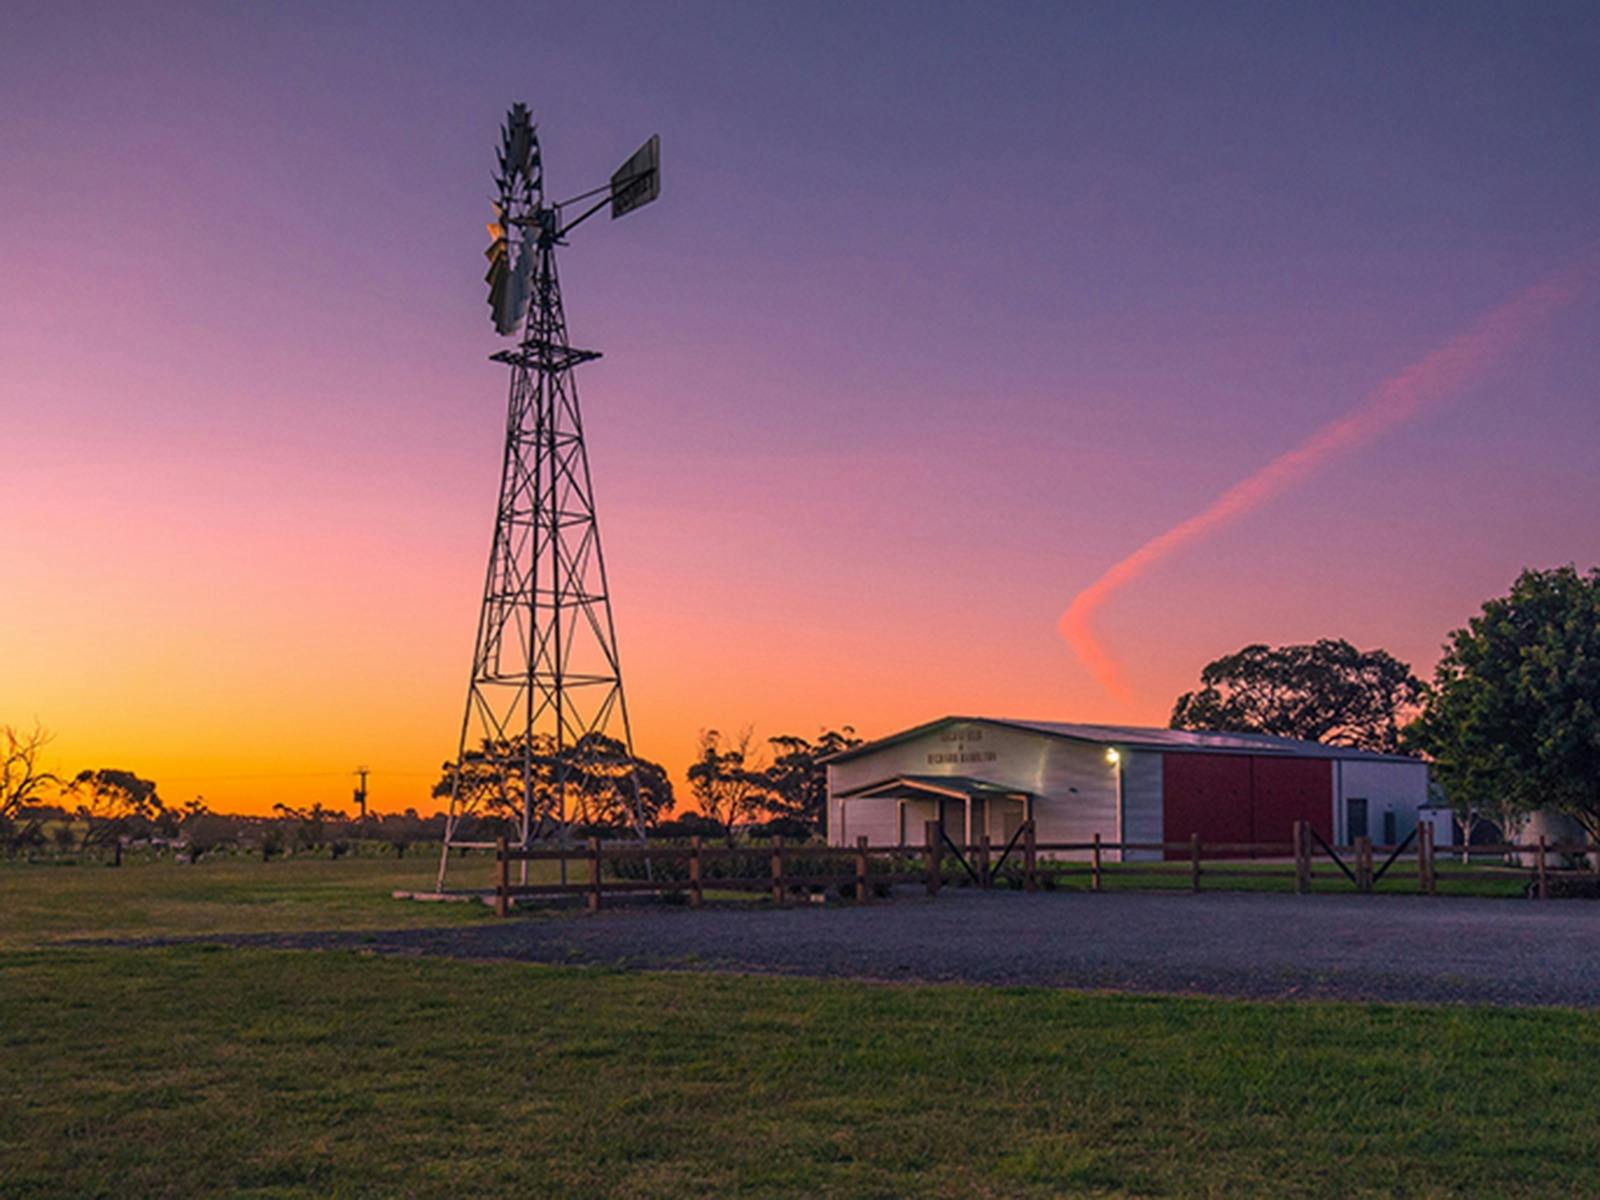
{"points": [[864, 868]]}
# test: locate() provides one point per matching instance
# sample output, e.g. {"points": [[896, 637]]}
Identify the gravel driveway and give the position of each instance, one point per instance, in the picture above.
{"points": [[1389, 948]]}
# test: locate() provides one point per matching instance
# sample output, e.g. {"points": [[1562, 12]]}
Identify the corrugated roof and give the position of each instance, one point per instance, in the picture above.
{"points": [[1138, 737]]}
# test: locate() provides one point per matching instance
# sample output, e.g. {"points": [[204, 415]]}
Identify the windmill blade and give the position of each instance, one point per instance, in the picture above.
{"points": [[518, 137], [509, 287], [499, 274], [496, 276], [519, 184], [517, 290], [507, 314]]}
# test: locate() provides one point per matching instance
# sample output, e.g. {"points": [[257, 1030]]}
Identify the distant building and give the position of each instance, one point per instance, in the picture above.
{"points": [[987, 775]]}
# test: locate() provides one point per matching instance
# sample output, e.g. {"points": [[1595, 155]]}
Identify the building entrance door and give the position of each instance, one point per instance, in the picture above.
{"points": [[1355, 819], [1012, 814]]}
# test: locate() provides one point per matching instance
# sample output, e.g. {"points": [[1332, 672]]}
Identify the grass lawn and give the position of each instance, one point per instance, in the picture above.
{"points": [[224, 895], [1452, 878], [194, 1070], [271, 1073]]}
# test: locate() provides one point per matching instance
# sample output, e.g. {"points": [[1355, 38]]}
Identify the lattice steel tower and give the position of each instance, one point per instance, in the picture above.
{"points": [[545, 738]]}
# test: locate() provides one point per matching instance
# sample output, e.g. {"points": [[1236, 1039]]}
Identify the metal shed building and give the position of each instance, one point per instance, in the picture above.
{"points": [[1128, 784]]}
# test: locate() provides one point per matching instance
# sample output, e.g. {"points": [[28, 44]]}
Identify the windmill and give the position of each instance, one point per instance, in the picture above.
{"points": [[545, 738]]}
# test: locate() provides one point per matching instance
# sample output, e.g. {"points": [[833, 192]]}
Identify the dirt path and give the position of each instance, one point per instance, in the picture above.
{"points": [[1387, 948]]}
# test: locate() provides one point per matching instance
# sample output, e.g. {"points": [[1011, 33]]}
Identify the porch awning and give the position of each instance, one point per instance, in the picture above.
{"points": [[919, 787]]}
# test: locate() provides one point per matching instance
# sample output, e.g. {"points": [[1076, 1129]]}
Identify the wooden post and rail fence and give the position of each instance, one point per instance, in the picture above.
{"points": [[793, 869]]}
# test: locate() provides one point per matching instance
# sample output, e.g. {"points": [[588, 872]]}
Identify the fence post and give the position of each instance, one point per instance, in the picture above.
{"points": [[1302, 859], [983, 861], [502, 878], [594, 874], [1422, 855], [1030, 859], [1094, 865], [933, 833], [863, 892], [1194, 862], [777, 872], [696, 895], [1433, 863], [1544, 885], [1363, 864]]}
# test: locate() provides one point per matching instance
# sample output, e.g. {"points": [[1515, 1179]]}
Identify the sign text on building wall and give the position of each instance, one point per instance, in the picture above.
{"points": [[961, 735], [960, 756]]}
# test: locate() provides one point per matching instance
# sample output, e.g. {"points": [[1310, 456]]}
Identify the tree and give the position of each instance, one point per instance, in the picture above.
{"points": [[602, 778], [313, 827], [727, 780], [1325, 691], [599, 772], [110, 800], [204, 831], [1512, 720], [795, 784], [488, 780], [688, 825], [23, 780]]}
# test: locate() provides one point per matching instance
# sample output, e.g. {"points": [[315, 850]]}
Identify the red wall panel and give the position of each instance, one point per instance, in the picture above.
{"points": [[1286, 790], [1243, 798], [1208, 794]]}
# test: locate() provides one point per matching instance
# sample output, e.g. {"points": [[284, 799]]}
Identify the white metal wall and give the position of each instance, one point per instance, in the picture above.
{"points": [[1141, 801], [1397, 787], [1075, 786], [876, 818]]}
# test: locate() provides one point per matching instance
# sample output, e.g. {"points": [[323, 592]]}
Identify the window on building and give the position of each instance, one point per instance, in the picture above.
{"points": [[1388, 828]]}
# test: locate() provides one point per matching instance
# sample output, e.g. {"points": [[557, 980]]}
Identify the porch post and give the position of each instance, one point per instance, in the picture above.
{"points": [[1030, 856]]}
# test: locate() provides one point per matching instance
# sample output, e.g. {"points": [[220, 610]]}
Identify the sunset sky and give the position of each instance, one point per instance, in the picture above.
{"points": [[944, 311]]}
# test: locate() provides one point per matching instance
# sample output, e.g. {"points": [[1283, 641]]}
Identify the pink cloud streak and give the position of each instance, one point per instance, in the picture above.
{"points": [[1430, 379]]}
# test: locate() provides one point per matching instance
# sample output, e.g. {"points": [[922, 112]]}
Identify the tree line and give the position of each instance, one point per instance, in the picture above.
{"points": [[98, 812], [92, 809], [741, 787]]}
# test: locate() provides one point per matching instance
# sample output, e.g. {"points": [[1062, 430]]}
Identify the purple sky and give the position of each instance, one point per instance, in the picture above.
{"points": [[941, 313]]}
